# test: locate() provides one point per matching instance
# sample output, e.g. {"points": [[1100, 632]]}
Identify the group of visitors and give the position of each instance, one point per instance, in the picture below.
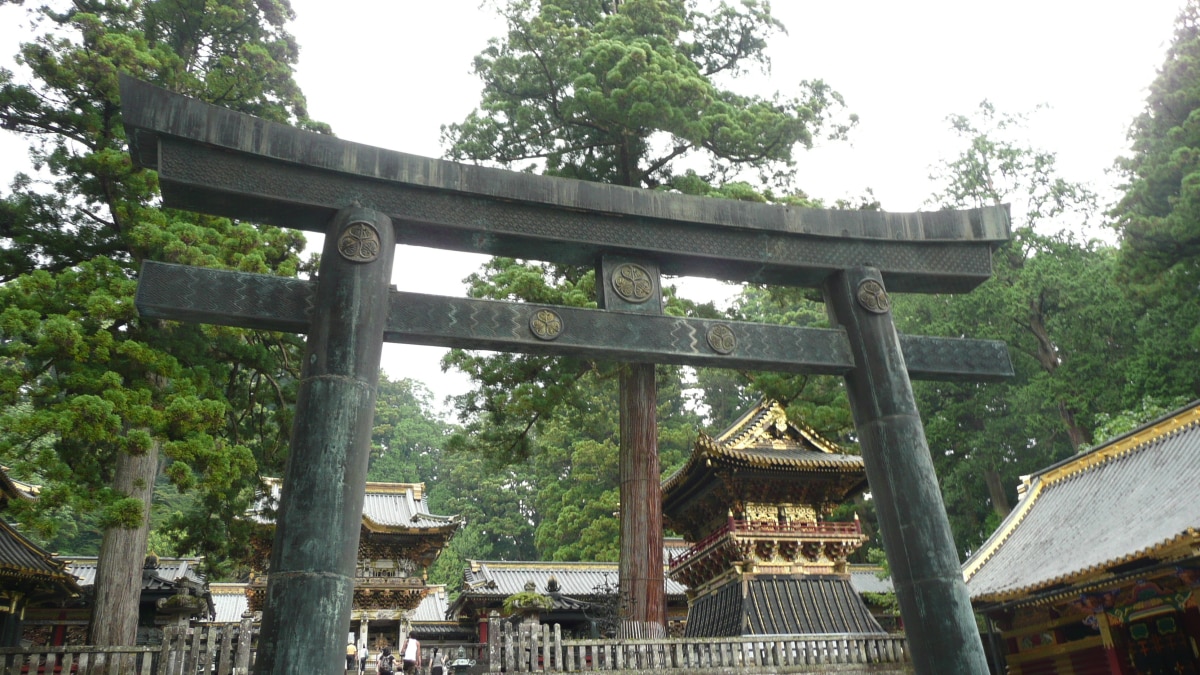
{"points": [[356, 657], [410, 659]]}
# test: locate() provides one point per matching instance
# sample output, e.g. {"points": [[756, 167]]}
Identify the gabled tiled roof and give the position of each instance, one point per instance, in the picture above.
{"points": [[764, 438], [766, 425], [387, 507], [30, 565], [229, 601], [11, 488], [433, 606], [575, 579], [168, 574], [781, 605], [1134, 498], [865, 579]]}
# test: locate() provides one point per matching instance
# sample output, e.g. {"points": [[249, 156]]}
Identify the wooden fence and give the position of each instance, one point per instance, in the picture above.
{"points": [[543, 649], [229, 650], [217, 650]]}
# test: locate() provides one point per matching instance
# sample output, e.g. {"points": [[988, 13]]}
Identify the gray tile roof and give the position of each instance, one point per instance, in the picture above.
{"points": [[865, 579], [781, 605], [1117, 503], [385, 505], [433, 607], [18, 553], [575, 579], [229, 600], [402, 509], [169, 569], [32, 567]]}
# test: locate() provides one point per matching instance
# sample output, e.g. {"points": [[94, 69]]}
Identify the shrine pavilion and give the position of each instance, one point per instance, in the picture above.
{"points": [[763, 560], [1097, 569], [398, 542]]}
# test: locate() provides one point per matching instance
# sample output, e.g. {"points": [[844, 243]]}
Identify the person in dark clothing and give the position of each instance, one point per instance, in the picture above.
{"points": [[387, 662]]}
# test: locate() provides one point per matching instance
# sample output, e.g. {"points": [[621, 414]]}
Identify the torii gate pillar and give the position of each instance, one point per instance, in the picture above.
{"points": [[938, 620], [315, 550]]}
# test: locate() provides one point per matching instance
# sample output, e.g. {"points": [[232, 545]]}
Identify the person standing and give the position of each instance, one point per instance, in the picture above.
{"points": [[351, 656], [363, 653], [387, 662], [411, 655]]}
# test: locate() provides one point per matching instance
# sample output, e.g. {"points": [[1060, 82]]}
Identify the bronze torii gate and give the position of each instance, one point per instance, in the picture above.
{"points": [[364, 199]]}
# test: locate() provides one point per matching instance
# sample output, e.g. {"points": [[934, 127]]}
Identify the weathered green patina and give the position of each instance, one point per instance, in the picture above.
{"points": [[225, 163]]}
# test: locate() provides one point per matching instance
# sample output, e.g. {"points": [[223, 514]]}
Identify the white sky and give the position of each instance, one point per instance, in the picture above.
{"points": [[390, 72]]}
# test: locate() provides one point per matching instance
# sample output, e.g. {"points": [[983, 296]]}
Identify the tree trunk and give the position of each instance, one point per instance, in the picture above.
{"points": [[642, 587], [1080, 437], [996, 493], [122, 556], [1048, 358]]}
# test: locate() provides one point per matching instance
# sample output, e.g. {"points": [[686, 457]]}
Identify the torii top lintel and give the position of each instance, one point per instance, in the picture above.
{"points": [[218, 161]]}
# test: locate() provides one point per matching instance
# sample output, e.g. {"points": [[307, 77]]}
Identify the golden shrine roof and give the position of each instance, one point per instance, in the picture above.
{"points": [[764, 438], [11, 488], [1127, 500]]}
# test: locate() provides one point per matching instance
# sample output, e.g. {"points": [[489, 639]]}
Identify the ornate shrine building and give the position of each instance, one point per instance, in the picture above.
{"points": [[29, 575], [1097, 569], [763, 561], [398, 542]]}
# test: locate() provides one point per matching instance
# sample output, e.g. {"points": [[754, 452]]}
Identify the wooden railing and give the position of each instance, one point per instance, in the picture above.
{"points": [[229, 650], [822, 530], [543, 649], [226, 649]]}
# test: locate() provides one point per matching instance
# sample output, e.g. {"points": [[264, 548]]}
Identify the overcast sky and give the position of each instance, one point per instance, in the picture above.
{"points": [[391, 72]]}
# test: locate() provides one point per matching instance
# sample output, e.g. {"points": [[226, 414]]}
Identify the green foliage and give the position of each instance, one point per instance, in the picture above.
{"points": [[1047, 296], [408, 438], [1158, 218], [1110, 426], [526, 601], [1158, 215], [819, 401], [996, 167], [85, 379], [625, 92]]}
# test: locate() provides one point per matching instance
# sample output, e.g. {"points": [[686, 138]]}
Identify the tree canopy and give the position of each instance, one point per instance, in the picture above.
{"points": [[96, 398], [627, 92]]}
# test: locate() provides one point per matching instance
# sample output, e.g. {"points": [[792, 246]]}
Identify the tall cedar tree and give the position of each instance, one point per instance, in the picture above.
{"points": [[95, 398], [1158, 218], [622, 91]]}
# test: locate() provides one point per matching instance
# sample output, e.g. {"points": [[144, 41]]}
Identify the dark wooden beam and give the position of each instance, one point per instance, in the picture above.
{"points": [[218, 161], [196, 294]]}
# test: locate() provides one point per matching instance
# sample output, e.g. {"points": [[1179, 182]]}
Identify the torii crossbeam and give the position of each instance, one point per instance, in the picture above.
{"points": [[366, 199]]}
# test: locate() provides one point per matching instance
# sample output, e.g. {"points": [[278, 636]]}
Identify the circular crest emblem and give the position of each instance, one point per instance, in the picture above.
{"points": [[632, 282], [545, 324], [359, 242], [873, 298], [721, 338]]}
